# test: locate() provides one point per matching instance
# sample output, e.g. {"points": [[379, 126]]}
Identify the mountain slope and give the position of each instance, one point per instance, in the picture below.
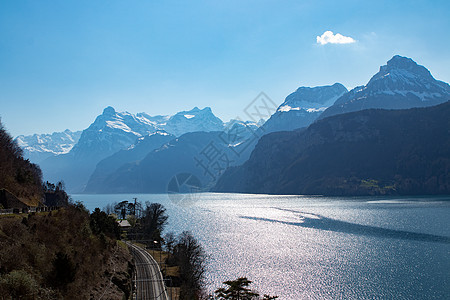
{"points": [[303, 107], [300, 109], [181, 155], [134, 153], [361, 153], [399, 84]]}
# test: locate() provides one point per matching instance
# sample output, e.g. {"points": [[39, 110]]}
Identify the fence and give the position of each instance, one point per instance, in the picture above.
{"points": [[27, 210]]}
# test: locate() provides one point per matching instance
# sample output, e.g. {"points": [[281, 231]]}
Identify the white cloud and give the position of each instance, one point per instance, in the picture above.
{"points": [[328, 37]]}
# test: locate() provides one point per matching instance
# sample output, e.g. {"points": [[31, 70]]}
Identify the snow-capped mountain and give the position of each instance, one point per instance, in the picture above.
{"points": [[38, 147], [192, 121], [114, 131], [303, 107], [400, 84], [153, 119], [238, 131], [111, 132]]}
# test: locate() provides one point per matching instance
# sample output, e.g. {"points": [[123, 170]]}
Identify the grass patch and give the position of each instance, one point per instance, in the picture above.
{"points": [[172, 271], [159, 256], [370, 183], [11, 216], [122, 244]]}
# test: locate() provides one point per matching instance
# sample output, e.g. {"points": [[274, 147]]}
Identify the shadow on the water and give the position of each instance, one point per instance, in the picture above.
{"points": [[323, 223]]}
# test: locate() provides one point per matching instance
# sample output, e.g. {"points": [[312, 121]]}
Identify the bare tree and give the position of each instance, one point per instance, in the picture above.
{"points": [[191, 259], [153, 221]]}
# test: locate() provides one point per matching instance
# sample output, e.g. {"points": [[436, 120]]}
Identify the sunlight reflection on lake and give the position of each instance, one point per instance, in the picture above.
{"points": [[300, 247]]}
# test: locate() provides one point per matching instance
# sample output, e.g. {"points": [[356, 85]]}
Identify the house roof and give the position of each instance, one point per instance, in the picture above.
{"points": [[124, 223]]}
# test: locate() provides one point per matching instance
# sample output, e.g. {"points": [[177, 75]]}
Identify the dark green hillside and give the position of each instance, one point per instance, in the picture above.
{"points": [[371, 152]]}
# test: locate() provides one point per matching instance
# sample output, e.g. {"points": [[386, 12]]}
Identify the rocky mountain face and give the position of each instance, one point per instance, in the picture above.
{"points": [[38, 147], [303, 107], [371, 152], [399, 84]]}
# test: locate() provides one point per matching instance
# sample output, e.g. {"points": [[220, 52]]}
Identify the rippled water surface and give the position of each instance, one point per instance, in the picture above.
{"points": [[300, 247]]}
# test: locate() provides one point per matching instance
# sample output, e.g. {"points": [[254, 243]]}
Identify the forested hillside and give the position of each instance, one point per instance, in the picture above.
{"points": [[65, 254], [18, 175]]}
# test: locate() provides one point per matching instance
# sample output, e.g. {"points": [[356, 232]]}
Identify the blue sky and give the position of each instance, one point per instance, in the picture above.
{"points": [[62, 62]]}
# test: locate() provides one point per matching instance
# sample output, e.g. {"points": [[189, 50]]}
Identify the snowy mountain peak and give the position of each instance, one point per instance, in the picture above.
{"points": [[406, 64], [400, 84], [402, 62], [192, 120], [403, 76], [196, 110], [38, 147], [403, 69], [313, 97], [303, 107], [109, 111]]}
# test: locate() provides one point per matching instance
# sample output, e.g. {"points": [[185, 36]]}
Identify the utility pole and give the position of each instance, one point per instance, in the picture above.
{"points": [[135, 200]]}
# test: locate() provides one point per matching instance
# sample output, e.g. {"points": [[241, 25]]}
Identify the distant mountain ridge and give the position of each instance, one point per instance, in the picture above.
{"points": [[38, 147], [399, 84]]}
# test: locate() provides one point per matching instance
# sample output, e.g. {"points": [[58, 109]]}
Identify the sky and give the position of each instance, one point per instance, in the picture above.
{"points": [[63, 62]]}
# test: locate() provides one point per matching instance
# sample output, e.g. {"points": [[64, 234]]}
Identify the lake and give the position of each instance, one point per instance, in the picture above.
{"points": [[303, 247]]}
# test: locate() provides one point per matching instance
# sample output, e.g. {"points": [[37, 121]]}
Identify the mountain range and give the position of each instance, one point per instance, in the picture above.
{"points": [[38, 147], [123, 152], [114, 131], [356, 150]]}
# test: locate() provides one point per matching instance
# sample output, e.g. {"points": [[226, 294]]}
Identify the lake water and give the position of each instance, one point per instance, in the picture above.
{"points": [[300, 247]]}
